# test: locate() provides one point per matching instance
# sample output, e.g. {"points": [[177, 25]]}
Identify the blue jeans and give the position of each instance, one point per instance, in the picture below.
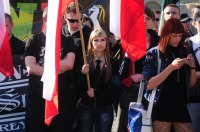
{"points": [[101, 118], [194, 111]]}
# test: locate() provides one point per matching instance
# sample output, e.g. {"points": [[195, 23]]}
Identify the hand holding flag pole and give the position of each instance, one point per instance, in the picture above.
{"points": [[82, 42]]}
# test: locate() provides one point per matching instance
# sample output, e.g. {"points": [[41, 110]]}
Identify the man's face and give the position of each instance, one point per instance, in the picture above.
{"points": [[72, 21], [171, 12], [186, 25], [9, 26], [157, 17]]}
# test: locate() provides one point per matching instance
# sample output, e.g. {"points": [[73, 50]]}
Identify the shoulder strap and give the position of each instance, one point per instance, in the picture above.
{"points": [[150, 107], [142, 82], [141, 90]]}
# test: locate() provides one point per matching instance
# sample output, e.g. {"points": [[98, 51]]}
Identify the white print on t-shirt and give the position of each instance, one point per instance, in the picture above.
{"points": [[42, 53], [196, 46]]}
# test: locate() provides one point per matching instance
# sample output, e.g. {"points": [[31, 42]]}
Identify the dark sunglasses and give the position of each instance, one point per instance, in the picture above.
{"points": [[72, 20], [186, 21], [157, 19]]}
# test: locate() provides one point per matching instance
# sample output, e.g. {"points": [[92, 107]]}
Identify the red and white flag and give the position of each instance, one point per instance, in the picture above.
{"points": [[127, 21], [52, 57], [6, 63]]}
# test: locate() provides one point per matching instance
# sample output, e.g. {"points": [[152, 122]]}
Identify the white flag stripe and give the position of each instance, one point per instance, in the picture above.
{"points": [[115, 6], [2, 23], [6, 6], [49, 63]]}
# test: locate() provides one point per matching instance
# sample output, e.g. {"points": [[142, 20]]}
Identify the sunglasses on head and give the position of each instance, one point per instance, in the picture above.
{"points": [[72, 20], [157, 19], [186, 21]]}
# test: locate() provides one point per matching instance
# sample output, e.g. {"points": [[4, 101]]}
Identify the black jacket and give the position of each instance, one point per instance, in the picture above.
{"points": [[105, 92]]}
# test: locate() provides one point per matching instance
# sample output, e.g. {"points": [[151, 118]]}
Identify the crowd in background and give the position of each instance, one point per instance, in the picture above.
{"points": [[114, 77]]}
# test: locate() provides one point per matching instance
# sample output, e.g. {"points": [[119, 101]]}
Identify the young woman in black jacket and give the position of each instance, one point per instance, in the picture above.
{"points": [[96, 109]]}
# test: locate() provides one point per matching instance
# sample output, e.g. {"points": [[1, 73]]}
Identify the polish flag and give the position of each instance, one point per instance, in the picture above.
{"points": [[6, 63], [52, 57], [127, 21]]}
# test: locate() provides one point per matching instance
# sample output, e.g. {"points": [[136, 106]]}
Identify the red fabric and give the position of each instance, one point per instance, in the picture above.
{"points": [[132, 28], [6, 63], [128, 81]]}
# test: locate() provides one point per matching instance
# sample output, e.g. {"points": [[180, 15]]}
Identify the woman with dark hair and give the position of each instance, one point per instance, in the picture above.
{"points": [[96, 109], [177, 74]]}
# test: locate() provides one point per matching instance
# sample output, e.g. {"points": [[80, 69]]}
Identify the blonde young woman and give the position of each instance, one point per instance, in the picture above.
{"points": [[96, 108]]}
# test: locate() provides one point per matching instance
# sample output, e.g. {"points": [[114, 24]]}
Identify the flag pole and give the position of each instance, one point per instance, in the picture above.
{"points": [[161, 22], [82, 41]]}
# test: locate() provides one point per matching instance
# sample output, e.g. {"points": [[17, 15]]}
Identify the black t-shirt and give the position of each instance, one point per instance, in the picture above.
{"points": [[17, 46], [35, 46], [78, 46], [76, 36]]}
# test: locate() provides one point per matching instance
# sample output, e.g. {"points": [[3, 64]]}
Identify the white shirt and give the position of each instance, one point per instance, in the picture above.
{"points": [[102, 61], [196, 46]]}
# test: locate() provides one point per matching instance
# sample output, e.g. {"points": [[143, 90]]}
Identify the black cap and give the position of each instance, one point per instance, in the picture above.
{"points": [[197, 16], [185, 17]]}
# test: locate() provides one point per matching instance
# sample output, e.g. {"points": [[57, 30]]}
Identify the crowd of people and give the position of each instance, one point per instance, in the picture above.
{"points": [[114, 77]]}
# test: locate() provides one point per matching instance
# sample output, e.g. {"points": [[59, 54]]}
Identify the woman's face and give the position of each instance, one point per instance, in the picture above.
{"points": [[99, 44], [175, 39]]}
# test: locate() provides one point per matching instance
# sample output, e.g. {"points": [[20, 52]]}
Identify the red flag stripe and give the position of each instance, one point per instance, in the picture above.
{"points": [[131, 27]]}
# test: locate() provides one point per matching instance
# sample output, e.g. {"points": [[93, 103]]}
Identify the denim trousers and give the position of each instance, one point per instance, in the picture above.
{"points": [[194, 111], [99, 119]]}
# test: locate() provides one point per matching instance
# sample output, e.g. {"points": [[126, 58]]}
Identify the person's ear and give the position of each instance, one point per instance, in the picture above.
{"points": [[65, 17]]}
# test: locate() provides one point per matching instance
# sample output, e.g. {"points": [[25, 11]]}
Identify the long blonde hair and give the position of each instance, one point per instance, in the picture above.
{"points": [[100, 33]]}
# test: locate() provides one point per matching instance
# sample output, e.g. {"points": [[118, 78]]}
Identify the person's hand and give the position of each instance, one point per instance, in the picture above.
{"points": [[85, 68], [190, 61], [136, 77], [90, 92], [178, 63]]}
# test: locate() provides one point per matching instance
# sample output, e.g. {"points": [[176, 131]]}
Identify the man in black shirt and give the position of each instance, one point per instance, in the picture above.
{"points": [[17, 46], [34, 59], [72, 29]]}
